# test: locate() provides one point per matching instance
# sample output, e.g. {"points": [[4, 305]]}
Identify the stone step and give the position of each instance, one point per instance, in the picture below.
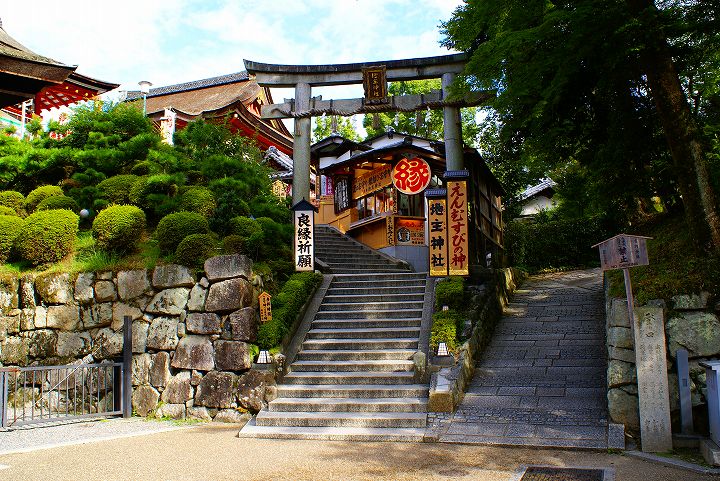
{"points": [[416, 290], [386, 365], [370, 306], [340, 419], [364, 333], [250, 430], [377, 285], [349, 378], [372, 298], [358, 344], [352, 390], [359, 323], [375, 314], [355, 355], [369, 270], [369, 405], [400, 276]]}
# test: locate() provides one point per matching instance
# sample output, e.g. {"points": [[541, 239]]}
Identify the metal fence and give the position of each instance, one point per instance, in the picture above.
{"points": [[51, 393], [41, 394]]}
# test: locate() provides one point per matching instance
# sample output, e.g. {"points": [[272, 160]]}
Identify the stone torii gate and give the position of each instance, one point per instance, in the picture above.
{"points": [[374, 77]]}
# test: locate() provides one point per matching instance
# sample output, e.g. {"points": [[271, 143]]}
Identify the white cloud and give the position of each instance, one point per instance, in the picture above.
{"points": [[172, 41]]}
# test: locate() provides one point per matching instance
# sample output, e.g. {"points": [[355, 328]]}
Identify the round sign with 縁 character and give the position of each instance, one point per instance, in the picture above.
{"points": [[411, 176]]}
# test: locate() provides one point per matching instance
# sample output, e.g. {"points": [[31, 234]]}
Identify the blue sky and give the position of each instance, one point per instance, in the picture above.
{"points": [[173, 41]]}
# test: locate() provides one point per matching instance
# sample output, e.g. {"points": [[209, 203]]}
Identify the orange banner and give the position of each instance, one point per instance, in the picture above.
{"points": [[457, 207], [437, 229]]}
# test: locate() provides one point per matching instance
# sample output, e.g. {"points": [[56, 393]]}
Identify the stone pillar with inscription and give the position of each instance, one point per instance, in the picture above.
{"points": [[653, 392]]}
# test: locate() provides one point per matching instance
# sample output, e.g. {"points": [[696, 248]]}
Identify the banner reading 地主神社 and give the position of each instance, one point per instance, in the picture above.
{"points": [[437, 233], [457, 220]]}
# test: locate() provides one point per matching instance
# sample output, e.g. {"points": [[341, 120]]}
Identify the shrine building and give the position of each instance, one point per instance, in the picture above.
{"points": [[375, 191]]}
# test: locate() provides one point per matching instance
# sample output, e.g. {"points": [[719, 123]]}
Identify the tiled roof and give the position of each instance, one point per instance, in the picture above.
{"points": [[536, 189], [194, 85], [279, 157], [12, 48]]}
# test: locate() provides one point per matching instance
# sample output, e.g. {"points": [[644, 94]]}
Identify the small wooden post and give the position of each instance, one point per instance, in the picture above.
{"points": [[127, 367], [683, 372]]}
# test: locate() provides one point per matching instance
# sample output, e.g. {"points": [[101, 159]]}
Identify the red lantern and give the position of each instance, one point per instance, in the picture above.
{"points": [[411, 176]]}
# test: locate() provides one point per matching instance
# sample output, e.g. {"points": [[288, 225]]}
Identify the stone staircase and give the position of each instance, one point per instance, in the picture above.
{"points": [[353, 377]]}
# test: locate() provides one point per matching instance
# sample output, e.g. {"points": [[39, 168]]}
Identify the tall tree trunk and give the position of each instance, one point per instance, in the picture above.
{"points": [[681, 131]]}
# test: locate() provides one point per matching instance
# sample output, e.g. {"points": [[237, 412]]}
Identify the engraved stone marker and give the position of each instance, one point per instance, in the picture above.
{"points": [[652, 379]]}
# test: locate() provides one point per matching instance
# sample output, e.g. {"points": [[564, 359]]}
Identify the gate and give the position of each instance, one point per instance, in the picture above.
{"points": [[41, 394]]}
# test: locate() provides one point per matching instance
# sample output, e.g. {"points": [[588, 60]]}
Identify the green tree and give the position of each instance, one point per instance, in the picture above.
{"points": [[593, 82], [422, 123], [345, 127]]}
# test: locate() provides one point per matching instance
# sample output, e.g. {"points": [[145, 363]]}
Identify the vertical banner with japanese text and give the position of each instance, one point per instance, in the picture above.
{"points": [[437, 234], [457, 210], [304, 240]]}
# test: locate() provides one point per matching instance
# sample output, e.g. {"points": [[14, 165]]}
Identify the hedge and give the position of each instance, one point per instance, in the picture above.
{"points": [[47, 236], [14, 200], [58, 202], [445, 328], [195, 249], [10, 227], [118, 228], [554, 244], [449, 293], [40, 194], [286, 306], [173, 228]]}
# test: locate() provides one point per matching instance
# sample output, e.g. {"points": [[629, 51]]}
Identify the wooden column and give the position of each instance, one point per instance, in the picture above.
{"points": [[301, 145], [452, 129]]}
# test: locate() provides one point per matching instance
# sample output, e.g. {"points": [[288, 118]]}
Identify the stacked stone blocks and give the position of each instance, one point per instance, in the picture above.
{"points": [[191, 338]]}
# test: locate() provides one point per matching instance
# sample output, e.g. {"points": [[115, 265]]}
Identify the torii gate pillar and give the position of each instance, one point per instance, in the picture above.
{"points": [[301, 145], [452, 129]]}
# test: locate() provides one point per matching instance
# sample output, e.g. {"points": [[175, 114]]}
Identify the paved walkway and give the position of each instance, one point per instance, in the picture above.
{"points": [[541, 381], [213, 451]]}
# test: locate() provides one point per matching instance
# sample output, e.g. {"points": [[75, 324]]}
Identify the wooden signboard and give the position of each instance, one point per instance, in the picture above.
{"points": [[265, 307], [372, 181], [342, 193], [437, 229], [410, 232], [390, 230], [623, 251], [304, 247], [375, 84], [457, 207]]}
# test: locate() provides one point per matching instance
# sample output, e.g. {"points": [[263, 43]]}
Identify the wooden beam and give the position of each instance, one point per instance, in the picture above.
{"points": [[397, 103]]}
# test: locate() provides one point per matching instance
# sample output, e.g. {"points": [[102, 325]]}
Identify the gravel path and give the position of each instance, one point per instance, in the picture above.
{"points": [[214, 452]]}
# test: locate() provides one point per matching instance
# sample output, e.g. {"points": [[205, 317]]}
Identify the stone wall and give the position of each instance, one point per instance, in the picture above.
{"points": [[691, 323], [192, 334], [448, 384]]}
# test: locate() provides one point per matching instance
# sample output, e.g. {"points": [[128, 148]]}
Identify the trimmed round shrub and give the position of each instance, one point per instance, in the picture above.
{"points": [[4, 210], [10, 226], [119, 228], [146, 167], [116, 189], [251, 233], [173, 228], [195, 249], [40, 194], [234, 244], [198, 199], [47, 236], [12, 199], [58, 202]]}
